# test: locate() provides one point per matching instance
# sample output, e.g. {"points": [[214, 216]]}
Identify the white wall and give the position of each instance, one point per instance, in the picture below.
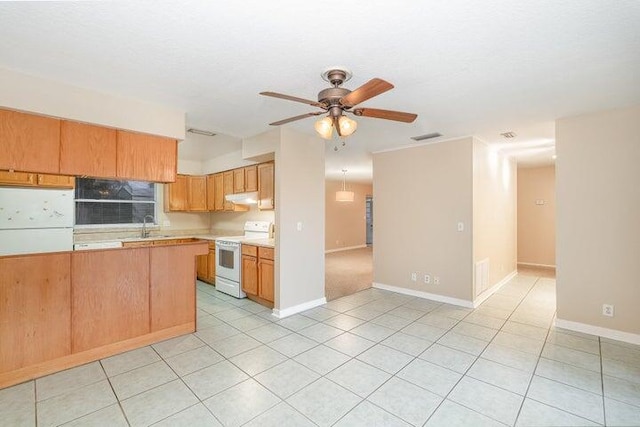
{"points": [[420, 194], [299, 199], [494, 214], [37, 95], [598, 220]]}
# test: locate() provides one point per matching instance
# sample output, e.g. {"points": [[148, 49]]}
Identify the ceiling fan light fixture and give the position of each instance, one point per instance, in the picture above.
{"points": [[347, 126], [324, 127]]}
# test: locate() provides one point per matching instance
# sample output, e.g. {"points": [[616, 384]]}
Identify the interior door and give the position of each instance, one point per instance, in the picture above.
{"points": [[369, 215]]}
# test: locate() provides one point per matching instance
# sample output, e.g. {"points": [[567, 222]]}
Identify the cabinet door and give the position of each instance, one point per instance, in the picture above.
{"points": [[238, 180], [21, 179], [56, 181], [146, 157], [30, 143], [171, 292], [228, 189], [202, 267], [265, 267], [117, 309], [197, 186], [175, 195], [218, 180], [211, 262], [87, 150], [211, 193], [35, 319], [250, 274], [251, 178], [265, 186]]}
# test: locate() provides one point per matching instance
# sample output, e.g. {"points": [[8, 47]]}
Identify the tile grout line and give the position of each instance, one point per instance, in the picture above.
{"points": [[533, 373], [604, 406], [124, 414], [474, 362]]}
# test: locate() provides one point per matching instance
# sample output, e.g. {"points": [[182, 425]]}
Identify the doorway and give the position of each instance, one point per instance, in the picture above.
{"points": [[369, 218]]}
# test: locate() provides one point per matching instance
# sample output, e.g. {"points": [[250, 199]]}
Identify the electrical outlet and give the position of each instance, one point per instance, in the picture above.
{"points": [[436, 280], [414, 277], [461, 226], [607, 310], [427, 279]]}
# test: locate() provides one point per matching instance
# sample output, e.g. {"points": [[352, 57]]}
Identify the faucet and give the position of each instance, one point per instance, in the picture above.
{"points": [[145, 232]]}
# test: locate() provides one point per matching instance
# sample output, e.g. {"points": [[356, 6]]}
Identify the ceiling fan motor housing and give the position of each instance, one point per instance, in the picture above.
{"points": [[332, 95]]}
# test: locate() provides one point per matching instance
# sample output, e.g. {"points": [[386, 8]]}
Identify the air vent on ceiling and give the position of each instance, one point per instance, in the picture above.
{"points": [[201, 132], [508, 135], [426, 136]]}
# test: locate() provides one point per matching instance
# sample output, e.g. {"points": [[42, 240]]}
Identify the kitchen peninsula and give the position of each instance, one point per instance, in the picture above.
{"points": [[64, 309]]}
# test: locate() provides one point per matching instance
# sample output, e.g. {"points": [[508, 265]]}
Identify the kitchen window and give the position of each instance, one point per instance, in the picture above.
{"points": [[105, 202]]}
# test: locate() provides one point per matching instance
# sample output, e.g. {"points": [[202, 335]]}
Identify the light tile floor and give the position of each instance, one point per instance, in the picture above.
{"points": [[374, 358]]}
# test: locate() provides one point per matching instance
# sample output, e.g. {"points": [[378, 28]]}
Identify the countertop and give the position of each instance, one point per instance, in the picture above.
{"points": [[269, 243]]}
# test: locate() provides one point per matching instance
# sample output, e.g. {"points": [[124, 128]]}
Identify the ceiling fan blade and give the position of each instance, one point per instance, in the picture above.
{"points": [[293, 98], [293, 119], [398, 116], [373, 87]]}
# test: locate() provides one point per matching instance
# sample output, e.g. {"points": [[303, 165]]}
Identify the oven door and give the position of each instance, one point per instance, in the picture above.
{"points": [[228, 260]]}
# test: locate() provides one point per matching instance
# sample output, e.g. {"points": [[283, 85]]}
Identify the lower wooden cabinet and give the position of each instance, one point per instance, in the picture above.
{"points": [[206, 265], [257, 273], [35, 310]]}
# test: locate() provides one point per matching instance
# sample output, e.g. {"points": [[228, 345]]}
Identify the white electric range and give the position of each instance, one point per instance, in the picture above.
{"points": [[228, 257]]}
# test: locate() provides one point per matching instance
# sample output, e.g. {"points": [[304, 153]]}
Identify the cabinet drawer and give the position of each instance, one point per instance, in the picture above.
{"points": [[266, 253], [249, 250]]}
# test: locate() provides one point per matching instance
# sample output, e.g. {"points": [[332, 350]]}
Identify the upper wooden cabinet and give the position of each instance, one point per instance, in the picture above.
{"points": [[187, 194], [176, 194], [218, 180], [146, 157], [33, 143], [211, 193], [265, 186], [24, 179], [251, 178], [228, 189], [238, 180], [56, 181], [87, 150], [197, 193], [30, 143]]}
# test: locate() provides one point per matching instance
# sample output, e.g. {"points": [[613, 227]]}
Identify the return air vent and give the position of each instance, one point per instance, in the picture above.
{"points": [[426, 136], [201, 132], [508, 135]]}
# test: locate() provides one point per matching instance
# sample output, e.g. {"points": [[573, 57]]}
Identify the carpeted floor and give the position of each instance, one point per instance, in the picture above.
{"points": [[348, 272]]}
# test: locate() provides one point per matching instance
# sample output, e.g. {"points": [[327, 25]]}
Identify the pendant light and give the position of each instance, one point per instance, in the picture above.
{"points": [[344, 195]]}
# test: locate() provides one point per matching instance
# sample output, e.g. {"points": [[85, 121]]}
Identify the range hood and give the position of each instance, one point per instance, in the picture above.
{"points": [[250, 198]]}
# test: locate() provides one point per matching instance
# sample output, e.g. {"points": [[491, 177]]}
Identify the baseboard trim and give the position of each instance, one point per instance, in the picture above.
{"points": [[347, 248], [492, 290], [529, 264], [613, 334], [425, 295], [290, 311]]}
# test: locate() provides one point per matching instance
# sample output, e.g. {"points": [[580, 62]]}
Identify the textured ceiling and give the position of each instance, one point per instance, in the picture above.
{"points": [[465, 67]]}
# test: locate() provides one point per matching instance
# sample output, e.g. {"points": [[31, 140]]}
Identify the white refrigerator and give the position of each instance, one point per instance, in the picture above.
{"points": [[34, 220]]}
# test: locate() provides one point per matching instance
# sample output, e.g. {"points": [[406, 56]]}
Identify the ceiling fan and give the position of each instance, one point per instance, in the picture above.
{"points": [[336, 101]]}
